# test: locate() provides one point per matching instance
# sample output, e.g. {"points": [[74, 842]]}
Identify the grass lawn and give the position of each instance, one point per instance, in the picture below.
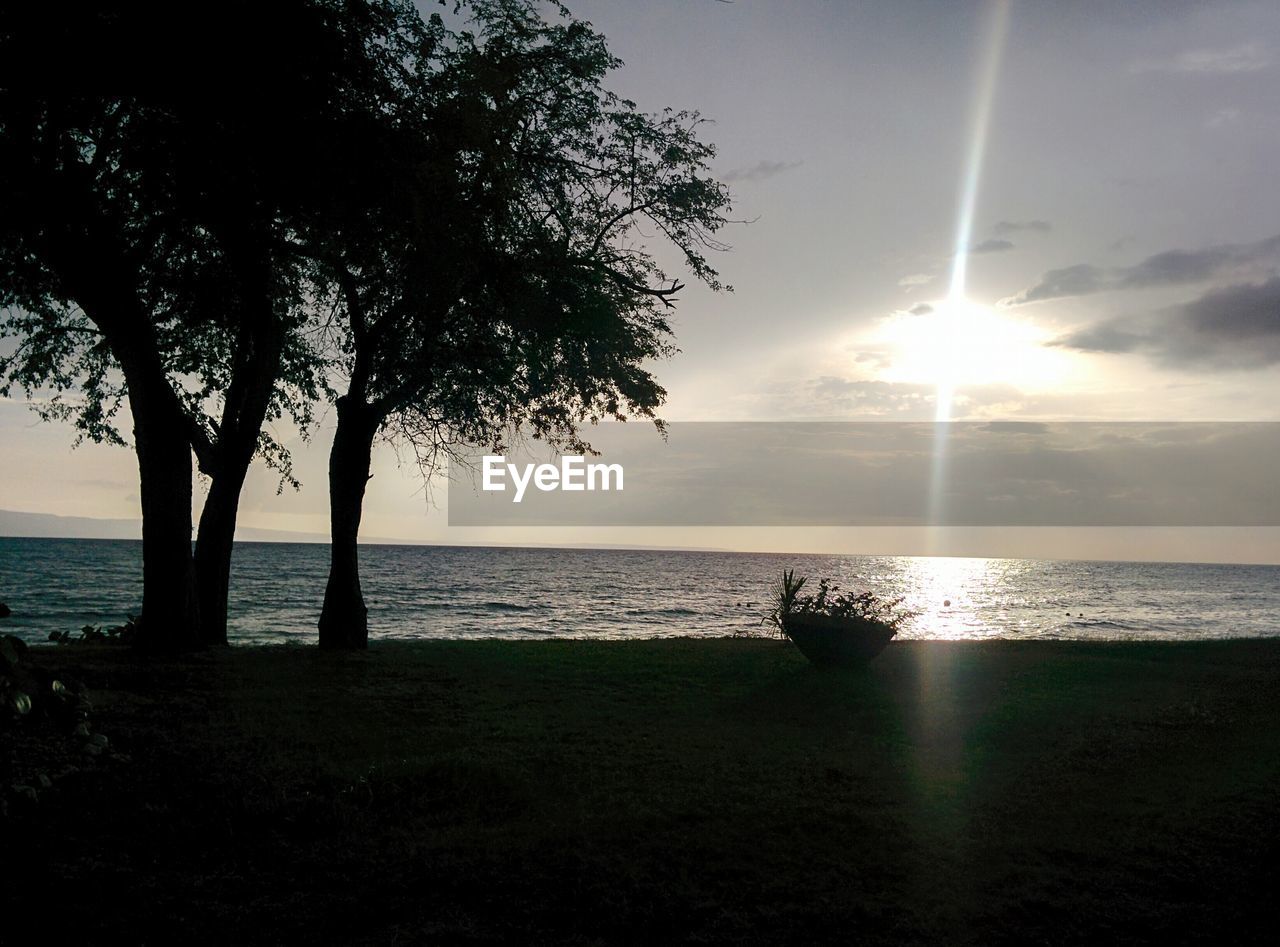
{"points": [[707, 791]]}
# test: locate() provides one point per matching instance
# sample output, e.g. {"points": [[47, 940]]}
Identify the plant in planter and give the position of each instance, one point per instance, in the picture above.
{"points": [[834, 628]]}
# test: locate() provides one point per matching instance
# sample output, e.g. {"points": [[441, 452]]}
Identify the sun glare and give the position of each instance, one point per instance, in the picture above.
{"points": [[959, 343]]}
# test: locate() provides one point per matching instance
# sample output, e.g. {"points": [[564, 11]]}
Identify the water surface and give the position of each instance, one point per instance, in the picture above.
{"points": [[468, 592]]}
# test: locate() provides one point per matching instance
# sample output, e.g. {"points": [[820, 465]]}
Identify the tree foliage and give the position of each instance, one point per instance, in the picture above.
{"points": [[172, 172], [447, 223], [521, 291], [160, 165], [497, 277]]}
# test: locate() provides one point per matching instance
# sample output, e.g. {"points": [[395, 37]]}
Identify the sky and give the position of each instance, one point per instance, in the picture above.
{"points": [[1122, 260]]}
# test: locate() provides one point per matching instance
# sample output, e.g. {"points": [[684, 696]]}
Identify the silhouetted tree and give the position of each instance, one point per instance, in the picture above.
{"points": [[157, 165], [177, 214], [493, 274]]}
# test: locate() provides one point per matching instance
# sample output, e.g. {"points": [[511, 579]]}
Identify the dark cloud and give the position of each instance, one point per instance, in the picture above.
{"points": [[1231, 328], [759, 171], [920, 309], [991, 246], [1109, 337], [1177, 266], [1078, 280], [1005, 227], [1170, 268]]}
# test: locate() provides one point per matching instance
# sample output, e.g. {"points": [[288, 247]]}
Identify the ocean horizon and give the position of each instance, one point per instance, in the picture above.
{"points": [[465, 592]]}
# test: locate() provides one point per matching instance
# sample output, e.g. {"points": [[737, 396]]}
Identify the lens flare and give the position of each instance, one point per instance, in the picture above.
{"points": [[984, 100], [997, 31]]}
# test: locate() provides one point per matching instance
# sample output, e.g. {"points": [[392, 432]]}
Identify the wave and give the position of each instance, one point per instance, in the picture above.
{"points": [[506, 606], [674, 610], [1112, 623]]}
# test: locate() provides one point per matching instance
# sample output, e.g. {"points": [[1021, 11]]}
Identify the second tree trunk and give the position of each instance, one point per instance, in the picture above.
{"points": [[343, 620], [213, 551]]}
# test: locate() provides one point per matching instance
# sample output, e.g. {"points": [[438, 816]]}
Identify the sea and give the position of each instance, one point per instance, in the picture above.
{"points": [[502, 592]]}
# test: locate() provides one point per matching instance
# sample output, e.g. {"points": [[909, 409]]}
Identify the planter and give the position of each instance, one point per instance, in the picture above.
{"points": [[837, 642]]}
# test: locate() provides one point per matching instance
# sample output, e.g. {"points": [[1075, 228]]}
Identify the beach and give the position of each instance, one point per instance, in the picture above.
{"points": [[697, 791]]}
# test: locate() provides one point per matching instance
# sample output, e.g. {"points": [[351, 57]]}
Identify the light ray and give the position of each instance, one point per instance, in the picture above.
{"points": [[993, 53], [989, 69]]}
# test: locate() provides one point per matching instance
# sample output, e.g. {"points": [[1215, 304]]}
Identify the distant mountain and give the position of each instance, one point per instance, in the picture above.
{"points": [[46, 525], [49, 526], [42, 525]]}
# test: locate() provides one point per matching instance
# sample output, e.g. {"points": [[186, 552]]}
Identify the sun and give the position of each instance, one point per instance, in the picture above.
{"points": [[956, 343]]}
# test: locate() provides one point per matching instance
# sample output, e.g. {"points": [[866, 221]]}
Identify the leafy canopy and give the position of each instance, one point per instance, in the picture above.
{"points": [[498, 273]]}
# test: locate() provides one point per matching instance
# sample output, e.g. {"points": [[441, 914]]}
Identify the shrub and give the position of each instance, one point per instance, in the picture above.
{"points": [[122, 634], [830, 602]]}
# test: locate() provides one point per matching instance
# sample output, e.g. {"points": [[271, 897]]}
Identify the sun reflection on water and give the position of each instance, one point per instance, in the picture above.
{"points": [[953, 597]]}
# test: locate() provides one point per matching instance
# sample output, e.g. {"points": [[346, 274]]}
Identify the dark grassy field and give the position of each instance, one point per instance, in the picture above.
{"points": [[692, 791]]}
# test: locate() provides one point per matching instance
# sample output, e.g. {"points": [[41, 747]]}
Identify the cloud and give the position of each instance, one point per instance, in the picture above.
{"points": [[837, 386], [876, 359], [991, 246], [760, 171], [1005, 227], [916, 279], [920, 309], [837, 396], [1078, 280], [1170, 268], [1108, 337], [1246, 57], [1193, 266], [1015, 427], [1223, 116], [1231, 328]]}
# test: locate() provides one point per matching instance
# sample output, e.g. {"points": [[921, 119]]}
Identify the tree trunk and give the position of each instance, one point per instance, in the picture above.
{"points": [[170, 613], [343, 620], [214, 543], [233, 453], [256, 366], [99, 276]]}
